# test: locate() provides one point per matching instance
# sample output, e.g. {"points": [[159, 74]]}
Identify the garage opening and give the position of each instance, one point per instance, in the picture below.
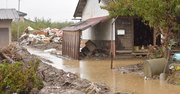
{"points": [[4, 37]]}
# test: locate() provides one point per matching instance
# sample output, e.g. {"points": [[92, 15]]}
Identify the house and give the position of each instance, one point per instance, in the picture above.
{"points": [[21, 16], [120, 35], [6, 17]]}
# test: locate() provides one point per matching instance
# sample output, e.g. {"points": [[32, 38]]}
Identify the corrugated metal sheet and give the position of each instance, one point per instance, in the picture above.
{"points": [[8, 14], [85, 24]]}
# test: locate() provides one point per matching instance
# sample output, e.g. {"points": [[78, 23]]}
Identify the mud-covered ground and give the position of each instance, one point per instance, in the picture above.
{"points": [[135, 68], [57, 81], [45, 46]]}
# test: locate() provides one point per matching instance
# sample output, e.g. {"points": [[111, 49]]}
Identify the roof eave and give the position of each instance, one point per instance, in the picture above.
{"points": [[77, 8]]}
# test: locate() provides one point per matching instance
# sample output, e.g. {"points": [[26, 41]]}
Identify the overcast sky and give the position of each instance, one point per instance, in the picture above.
{"points": [[56, 10]]}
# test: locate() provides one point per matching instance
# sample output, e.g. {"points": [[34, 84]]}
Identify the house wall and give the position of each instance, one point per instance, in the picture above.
{"points": [[93, 9], [6, 24], [101, 31]]}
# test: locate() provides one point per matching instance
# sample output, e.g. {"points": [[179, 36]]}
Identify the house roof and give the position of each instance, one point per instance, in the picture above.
{"points": [[80, 7], [8, 14], [85, 24], [20, 13]]}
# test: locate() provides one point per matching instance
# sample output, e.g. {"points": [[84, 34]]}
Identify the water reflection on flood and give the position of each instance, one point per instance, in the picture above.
{"points": [[99, 71]]}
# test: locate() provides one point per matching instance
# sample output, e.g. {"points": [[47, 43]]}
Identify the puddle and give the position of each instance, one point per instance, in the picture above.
{"points": [[99, 71]]}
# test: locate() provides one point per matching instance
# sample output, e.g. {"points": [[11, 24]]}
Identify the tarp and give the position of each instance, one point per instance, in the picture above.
{"points": [[83, 25]]}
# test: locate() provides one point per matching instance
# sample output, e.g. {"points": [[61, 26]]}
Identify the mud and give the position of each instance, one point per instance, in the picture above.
{"points": [[45, 46], [134, 68], [99, 71], [18, 53], [60, 82], [57, 81]]}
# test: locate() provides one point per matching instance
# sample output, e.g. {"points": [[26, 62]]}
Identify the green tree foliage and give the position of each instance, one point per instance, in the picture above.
{"points": [[37, 24], [158, 14], [14, 29], [18, 78]]}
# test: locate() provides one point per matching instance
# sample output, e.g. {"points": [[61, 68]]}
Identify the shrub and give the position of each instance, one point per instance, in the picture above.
{"points": [[19, 78]]}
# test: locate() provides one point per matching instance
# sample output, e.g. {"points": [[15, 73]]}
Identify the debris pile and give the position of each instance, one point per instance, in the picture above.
{"points": [[174, 78], [68, 83], [91, 50], [43, 36], [135, 68], [14, 53]]}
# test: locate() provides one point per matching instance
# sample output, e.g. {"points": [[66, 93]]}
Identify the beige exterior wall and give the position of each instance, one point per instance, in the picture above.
{"points": [[6, 24]]}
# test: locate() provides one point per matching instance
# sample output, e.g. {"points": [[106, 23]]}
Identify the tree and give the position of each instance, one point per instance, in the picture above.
{"points": [[158, 14]]}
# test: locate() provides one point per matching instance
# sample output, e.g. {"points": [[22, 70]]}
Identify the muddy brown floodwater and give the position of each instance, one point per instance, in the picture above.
{"points": [[99, 71]]}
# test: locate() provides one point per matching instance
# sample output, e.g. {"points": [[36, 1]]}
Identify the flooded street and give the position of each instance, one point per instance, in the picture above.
{"points": [[99, 71]]}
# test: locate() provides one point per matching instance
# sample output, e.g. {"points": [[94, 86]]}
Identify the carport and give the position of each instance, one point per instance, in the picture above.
{"points": [[72, 34], [6, 17]]}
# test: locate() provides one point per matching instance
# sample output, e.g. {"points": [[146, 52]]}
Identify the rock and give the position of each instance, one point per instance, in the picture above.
{"points": [[34, 91]]}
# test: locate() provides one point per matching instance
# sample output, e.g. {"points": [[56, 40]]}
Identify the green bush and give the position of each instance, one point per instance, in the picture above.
{"points": [[18, 78]]}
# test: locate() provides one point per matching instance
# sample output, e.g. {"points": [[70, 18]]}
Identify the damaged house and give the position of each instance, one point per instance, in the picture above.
{"points": [[125, 35], [6, 17]]}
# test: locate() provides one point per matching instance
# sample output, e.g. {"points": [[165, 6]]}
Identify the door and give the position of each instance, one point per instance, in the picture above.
{"points": [[124, 34], [4, 37]]}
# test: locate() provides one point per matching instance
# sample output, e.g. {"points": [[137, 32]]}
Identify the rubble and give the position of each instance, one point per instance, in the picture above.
{"points": [[43, 36], [174, 78], [91, 50]]}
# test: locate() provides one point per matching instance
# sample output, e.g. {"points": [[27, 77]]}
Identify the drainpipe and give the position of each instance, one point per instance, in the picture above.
{"points": [[112, 42]]}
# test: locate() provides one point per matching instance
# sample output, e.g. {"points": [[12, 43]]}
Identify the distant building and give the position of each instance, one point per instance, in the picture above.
{"points": [[6, 17], [22, 15]]}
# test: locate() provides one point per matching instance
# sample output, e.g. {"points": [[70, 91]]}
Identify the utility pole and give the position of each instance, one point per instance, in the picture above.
{"points": [[6, 3], [112, 43], [18, 20]]}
